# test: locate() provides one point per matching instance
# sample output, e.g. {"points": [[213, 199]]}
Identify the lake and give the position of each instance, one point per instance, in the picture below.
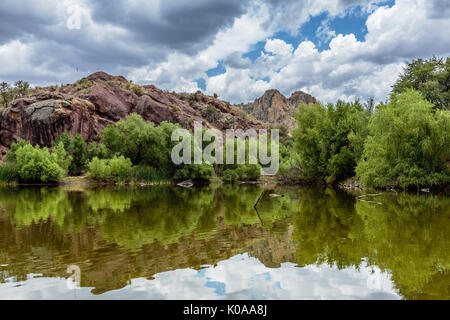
{"points": [[163, 242]]}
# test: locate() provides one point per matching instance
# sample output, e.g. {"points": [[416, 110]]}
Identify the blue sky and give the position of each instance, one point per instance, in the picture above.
{"points": [[353, 21], [332, 49]]}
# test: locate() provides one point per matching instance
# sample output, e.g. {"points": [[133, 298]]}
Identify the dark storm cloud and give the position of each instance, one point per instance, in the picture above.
{"points": [[183, 25], [19, 18], [129, 34]]}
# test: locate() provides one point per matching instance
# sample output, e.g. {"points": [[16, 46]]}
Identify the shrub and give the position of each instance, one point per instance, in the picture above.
{"points": [[230, 175], [120, 168], [117, 169], [9, 173], [408, 146], [138, 90], [202, 171], [77, 149], [38, 165], [98, 169]]}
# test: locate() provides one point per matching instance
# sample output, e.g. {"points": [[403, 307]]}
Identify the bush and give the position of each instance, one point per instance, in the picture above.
{"points": [[38, 165], [98, 169], [9, 173], [120, 168], [408, 146], [202, 171], [77, 149], [117, 169], [230, 175]]}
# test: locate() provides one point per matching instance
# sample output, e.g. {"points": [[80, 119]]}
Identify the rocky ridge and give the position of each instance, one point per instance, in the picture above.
{"points": [[274, 108], [90, 104]]}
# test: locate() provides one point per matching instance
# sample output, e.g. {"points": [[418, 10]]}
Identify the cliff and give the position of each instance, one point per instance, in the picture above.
{"points": [[275, 108]]}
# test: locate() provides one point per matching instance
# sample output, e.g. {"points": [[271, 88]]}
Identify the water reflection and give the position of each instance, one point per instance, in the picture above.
{"points": [[141, 242]]}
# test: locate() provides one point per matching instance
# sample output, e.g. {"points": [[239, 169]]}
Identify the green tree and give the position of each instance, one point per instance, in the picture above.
{"points": [[408, 146], [329, 140], [431, 77], [76, 148]]}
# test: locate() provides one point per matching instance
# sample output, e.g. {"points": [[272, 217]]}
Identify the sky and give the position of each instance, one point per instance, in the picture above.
{"points": [[331, 49]]}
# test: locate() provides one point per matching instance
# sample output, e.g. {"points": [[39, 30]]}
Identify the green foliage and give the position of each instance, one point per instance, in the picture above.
{"points": [[408, 146], [77, 149], [430, 77], [202, 171], [98, 150], [329, 140], [8, 173], [290, 170], [117, 169], [148, 174], [211, 112], [11, 155], [98, 169], [141, 141], [230, 175], [38, 165]]}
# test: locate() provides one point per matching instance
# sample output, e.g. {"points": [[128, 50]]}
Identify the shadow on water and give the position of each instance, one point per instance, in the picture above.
{"points": [[118, 234]]}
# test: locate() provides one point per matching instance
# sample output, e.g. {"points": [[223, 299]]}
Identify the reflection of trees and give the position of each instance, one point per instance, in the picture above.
{"points": [[407, 236], [32, 205], [328, 230], [159, 213]]}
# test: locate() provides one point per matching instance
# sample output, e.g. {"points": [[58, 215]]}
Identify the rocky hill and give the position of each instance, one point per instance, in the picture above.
{"points": [[90, 104], [275, 108]]}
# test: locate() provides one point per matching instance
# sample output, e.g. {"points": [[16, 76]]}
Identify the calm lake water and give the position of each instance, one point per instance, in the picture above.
{"points": [[161, 242]]}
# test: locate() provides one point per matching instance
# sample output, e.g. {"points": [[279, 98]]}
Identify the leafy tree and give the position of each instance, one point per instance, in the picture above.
{"points": [[329, 140], [430, 77], [408, 146], [140, 141]]}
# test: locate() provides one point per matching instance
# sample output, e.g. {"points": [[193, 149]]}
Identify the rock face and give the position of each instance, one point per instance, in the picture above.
{"points": [[90, 104], [42, 118], [274, 108]]}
